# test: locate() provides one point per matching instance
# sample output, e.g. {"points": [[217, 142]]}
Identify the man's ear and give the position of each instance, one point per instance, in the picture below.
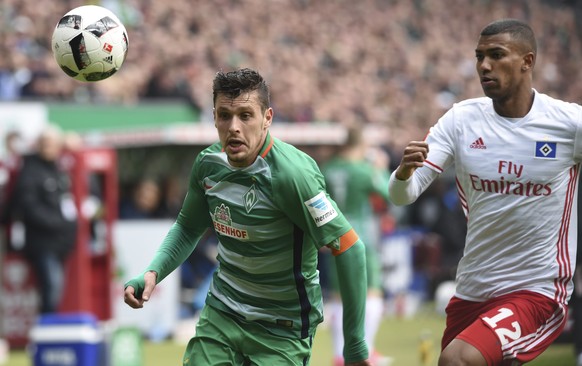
{"points": [[529, 60], [268, 118]]}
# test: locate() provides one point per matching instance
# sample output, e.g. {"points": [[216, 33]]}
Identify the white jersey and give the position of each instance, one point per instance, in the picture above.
{"points": [[517, 180]]}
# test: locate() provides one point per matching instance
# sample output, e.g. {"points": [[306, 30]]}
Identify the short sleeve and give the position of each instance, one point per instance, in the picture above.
{"points": [[301, 194]]}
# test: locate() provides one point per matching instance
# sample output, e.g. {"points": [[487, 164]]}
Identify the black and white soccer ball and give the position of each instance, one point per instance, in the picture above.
{"points": [[90, 43]]}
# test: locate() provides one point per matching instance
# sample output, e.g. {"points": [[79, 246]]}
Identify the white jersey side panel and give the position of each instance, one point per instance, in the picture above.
{"points": [[517, 180]]}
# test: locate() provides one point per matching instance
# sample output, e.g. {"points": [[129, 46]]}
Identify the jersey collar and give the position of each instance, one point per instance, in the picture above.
{"points": [[269, 141]]}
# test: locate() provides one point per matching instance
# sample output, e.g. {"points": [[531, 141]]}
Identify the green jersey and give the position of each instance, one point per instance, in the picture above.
{"points": [[350, 184], [271, 218]]}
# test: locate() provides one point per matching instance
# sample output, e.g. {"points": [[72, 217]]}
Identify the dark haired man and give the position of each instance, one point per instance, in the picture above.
{"points": [[44, 202], [268, 205], [517, 155]]}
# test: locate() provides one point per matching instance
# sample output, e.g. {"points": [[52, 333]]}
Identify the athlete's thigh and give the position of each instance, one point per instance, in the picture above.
{"points": [[204, 351], [222, 340], [515, 328], [459, 351], [262, 348], [215, 341]]}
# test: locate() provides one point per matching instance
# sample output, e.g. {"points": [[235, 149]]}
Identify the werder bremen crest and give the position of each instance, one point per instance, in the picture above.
{"points": [[250, 198]]}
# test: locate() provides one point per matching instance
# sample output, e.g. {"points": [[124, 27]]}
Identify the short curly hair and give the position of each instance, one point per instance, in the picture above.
{"points": [[519, 31], [235, 83]]}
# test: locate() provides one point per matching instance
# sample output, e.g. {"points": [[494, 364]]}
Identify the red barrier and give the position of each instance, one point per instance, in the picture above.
{"points": [[90, 267]]}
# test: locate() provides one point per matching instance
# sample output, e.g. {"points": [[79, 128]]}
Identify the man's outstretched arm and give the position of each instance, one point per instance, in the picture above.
{"points": [[351, 271], [174, 250]]}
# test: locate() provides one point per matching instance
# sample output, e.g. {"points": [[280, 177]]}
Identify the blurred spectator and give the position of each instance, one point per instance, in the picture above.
{"points": [[144, 201], [173, 196], [198, 269], [439, 214], [397, 53], [48, 212], [10, 166], [13, 76]]}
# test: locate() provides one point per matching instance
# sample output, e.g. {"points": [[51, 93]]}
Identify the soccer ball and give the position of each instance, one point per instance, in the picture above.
{"points": [[89, 43]]}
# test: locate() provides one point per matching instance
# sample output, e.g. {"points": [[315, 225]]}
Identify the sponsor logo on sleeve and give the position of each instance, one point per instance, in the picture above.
{"points": [[321, 209]]}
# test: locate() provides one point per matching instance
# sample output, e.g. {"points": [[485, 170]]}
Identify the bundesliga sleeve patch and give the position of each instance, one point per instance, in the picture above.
{"points": [[321, 209], [546, 150]]}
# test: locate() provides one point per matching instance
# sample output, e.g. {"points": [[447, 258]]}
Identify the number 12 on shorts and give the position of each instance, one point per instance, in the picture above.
{"points": [[505, 334]]}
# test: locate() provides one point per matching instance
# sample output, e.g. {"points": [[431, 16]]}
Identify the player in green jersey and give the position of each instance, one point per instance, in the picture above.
{"points": [[356, 173], [268, 204]]}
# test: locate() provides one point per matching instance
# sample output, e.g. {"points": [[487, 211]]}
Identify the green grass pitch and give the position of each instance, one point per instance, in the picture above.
{"points": [[398, 338]]}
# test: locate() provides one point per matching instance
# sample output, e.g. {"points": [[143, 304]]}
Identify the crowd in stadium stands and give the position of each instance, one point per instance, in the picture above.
{"points": [[378, 61], [384, 62]]}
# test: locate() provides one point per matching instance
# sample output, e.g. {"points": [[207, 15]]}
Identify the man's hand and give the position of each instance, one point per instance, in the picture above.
{"points": [[136, 300], [414, 155]]}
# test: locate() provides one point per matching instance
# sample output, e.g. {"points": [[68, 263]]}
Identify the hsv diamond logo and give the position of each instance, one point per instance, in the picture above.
{"points": [[546, 150], [321, 209]]}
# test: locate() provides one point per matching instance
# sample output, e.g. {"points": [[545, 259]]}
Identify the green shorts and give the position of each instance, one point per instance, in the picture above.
{"points": [[221, 339]]}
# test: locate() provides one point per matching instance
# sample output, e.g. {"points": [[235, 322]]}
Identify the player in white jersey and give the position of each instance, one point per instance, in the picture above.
{"points": [[267, 203], [517, 155]]}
